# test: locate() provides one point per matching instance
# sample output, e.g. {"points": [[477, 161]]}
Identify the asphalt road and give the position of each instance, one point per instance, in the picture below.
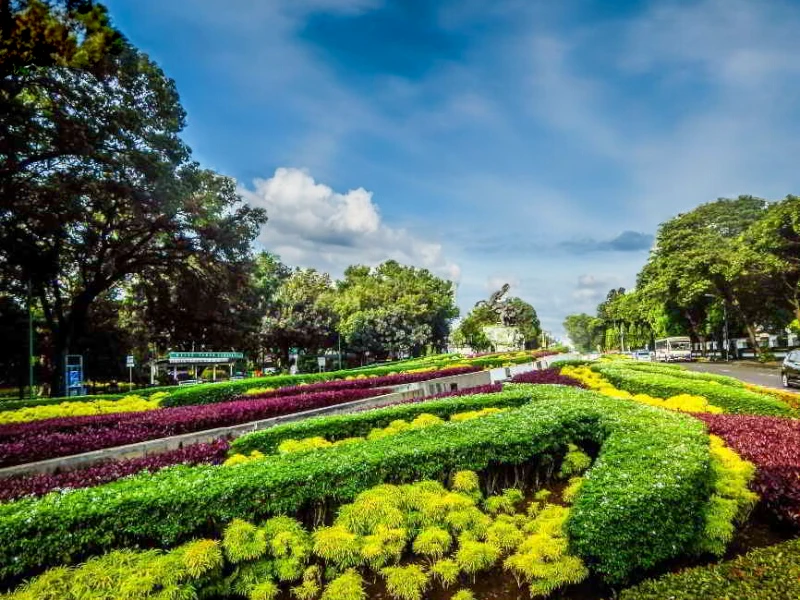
{"points": [[769, 377]]}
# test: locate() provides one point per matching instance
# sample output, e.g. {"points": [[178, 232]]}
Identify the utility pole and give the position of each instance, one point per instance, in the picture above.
{"points": [[340, 351], [727, 339], [30, 339]]}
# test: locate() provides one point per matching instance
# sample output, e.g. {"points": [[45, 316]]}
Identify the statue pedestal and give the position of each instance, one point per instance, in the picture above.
{"points": [[504, 339]]}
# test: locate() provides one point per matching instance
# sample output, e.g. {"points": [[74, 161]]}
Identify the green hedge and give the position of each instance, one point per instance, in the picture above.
{"points": [[771, 573], [678, 371], [640, 504], [342, 426], [730, 399]]}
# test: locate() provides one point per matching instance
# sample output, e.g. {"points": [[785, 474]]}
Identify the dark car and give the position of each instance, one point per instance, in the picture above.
{"points": [[790, 372]]}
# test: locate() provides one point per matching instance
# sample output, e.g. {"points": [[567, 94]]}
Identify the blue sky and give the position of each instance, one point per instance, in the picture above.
{"points": [[538, 143]]}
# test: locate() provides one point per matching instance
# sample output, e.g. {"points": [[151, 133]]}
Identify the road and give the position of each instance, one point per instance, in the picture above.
{"points": [[768, 377]]}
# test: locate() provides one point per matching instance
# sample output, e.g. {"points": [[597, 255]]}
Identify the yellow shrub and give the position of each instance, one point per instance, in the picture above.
{"points": [[682, 402], [238, 459], [79, 409]]}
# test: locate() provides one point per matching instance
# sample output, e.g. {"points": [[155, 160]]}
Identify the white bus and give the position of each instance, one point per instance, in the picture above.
{"points": [[673, 348]]}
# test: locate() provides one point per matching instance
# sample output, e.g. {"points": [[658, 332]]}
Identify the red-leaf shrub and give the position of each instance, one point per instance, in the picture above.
{"points": [[369, 382], [773, 445], [38, 440], [38, 485], [546, 376]]}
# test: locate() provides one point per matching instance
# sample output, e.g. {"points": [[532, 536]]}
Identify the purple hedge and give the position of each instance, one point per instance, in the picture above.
{"points": [[546, 376], [772, 444], [39, 440], [13, 488]]}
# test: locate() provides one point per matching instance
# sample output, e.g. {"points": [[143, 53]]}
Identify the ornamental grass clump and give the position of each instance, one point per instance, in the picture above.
{"points": [[446, 571], [348, 586], [542, 560], [575, 462], [406, 583], [338, 546], [432, 542], [243, 541], [310, 587]]}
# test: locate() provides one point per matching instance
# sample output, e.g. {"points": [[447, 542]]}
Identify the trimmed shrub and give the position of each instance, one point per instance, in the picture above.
{"points": [[640, 504], [730, 398], [771, 573], [339, 427]]}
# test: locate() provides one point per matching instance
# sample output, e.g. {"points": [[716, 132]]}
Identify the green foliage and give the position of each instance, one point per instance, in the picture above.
{"points": [[652, 469], [731, 500], [504, 536], [731, 399], [575, 462], [432, 542], [585, 331], [299, 314], [406, 583], [361, 424], [348, 586], [338, 546], [473, 556], [310, 587], [264, 590], [446, 571], [466, 482], [393, 308], [542, 559], [463, 595], [572, 490], [243, 541], [765, 574]]}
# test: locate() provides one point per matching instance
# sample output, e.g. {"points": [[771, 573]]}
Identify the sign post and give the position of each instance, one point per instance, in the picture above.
{"points": [[73, 368], [321, 363], [129, 362]]}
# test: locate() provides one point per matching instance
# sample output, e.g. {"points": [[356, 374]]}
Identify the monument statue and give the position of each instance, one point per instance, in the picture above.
{"points": [[507, 314]]}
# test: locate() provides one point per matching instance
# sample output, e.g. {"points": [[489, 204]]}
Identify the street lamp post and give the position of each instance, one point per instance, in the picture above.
{"points": [[30, 339]]}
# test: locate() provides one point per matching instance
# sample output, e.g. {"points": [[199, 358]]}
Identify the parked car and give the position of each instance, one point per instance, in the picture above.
{"points": [[790, 371], [641, 355]]}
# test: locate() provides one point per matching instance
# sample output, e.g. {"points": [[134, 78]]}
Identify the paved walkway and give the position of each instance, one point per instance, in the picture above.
{"points": [[768, 377]]}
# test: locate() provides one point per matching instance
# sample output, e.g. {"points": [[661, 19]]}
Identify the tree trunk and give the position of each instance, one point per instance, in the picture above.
{"points": [[751, 334]]}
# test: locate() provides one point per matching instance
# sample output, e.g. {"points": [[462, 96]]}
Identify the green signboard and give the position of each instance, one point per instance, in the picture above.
{"points": [[202, 357]]}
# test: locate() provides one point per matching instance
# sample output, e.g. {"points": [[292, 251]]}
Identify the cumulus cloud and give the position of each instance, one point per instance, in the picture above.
{"points": [[310, 224]]}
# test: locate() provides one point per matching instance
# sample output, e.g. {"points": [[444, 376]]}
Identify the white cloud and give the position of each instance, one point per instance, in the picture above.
{"points": [[310, 224]]}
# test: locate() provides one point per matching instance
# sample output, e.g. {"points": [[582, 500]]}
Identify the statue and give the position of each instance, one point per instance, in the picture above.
{"points": [[507, 313]]}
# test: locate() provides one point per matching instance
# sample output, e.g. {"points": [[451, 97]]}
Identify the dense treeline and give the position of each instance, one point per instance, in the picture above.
{"points": [[122, 244], [736, 258]]}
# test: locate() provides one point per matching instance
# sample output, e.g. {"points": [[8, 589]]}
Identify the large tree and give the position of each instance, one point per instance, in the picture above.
{"points": [[299, 315], [772, 244], [585, 331], [697, 256], [96, 184], [392, 292]]}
